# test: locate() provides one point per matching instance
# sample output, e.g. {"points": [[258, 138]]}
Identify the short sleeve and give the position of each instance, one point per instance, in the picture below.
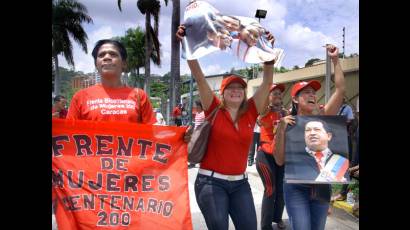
{"points": [[74, 109], [147, 113], [215, 102]]}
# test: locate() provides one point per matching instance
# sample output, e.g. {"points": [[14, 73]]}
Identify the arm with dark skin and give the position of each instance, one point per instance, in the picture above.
{"points": [[279, 153]]}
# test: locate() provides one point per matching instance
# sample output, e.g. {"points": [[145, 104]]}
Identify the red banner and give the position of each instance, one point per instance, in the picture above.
{"points": [[114, 175]]}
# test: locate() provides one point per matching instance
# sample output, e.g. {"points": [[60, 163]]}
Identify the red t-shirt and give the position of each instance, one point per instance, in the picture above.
{"points": [[62, 113], [100, 103], [269, 124], [177, 112], [228, 148]]}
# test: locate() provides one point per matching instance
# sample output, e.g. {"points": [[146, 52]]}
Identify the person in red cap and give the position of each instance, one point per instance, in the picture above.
{"points": [[307, 204], [270, 173], [221, 187]]}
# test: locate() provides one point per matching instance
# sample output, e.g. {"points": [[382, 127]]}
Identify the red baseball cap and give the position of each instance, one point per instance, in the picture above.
{"points": [[231, 79], [281, 87], [303, 84]]}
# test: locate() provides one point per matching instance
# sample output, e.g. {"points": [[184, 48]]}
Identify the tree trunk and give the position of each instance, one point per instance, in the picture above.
{"points": [[175, 74], [137, 79], [148, 50], [56, 77]]}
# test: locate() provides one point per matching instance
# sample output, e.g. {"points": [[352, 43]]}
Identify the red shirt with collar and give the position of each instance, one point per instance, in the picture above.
{"points": [[269, 124], [228, 148]]}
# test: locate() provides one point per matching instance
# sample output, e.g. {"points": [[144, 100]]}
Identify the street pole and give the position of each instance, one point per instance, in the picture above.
{"points": [[343, 42], [328, 74], [191, 99]]}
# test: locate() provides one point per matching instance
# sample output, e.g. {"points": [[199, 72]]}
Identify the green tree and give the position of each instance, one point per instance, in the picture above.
{"points": [[152, 45], [134, 42], [311, 61], [68, 16], [159, 89], [283, 70], [296, 67], [66, 76]]}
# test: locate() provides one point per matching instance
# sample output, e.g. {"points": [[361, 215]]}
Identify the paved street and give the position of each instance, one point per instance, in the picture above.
{"points": [[338, 220]]}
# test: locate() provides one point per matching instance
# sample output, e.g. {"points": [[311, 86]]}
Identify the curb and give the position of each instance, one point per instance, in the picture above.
{"points": [[343, 205]]}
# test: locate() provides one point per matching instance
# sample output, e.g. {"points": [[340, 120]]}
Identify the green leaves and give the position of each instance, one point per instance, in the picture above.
{"points": [[134, 42], [311, 61], [68, 16]]}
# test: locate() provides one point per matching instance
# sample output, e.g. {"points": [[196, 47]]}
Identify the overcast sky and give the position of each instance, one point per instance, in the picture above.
{"points": [[301, 28]]}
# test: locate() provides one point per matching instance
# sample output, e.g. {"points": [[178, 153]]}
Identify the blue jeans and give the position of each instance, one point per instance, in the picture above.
{"points": [[218, 198], [305, 212]]}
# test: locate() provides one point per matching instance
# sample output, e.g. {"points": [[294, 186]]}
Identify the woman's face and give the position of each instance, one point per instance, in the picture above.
{"points": [[275, 97], [234, 93], [248, 38], [307, 100], [109, 62], [224, 41]]}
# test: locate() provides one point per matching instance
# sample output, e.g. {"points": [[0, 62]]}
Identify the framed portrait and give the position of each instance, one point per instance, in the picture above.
{"points": [[316, 151]]}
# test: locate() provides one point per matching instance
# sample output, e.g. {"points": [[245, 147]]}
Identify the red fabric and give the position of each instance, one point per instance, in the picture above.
{"points": [[281, 87], [319, 156], [161, 171], [176, 112], [269, 124], [228, 147], [100, 103], [303, 84], [231, 79], [62, 113]]}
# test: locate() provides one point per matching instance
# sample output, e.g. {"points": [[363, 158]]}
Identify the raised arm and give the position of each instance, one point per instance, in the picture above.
{"points": [[205, 92], [261, 95], [279, 151], [336, 100]]}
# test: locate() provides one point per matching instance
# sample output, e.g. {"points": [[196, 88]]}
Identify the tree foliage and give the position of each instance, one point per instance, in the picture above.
{"points": [[68, 16], [311, 61]]}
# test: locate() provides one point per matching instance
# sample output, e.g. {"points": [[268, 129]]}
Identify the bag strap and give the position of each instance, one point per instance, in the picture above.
{"points": [[341, 111]]}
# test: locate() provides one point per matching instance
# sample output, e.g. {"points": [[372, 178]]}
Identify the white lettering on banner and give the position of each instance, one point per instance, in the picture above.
{"points": [[104, 111], [93, 102], [111, 106]]}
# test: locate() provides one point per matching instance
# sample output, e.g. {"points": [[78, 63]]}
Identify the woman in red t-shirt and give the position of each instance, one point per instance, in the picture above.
{"points": [[307, 205], [270, 173], [111, 100], [221, 187]]}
